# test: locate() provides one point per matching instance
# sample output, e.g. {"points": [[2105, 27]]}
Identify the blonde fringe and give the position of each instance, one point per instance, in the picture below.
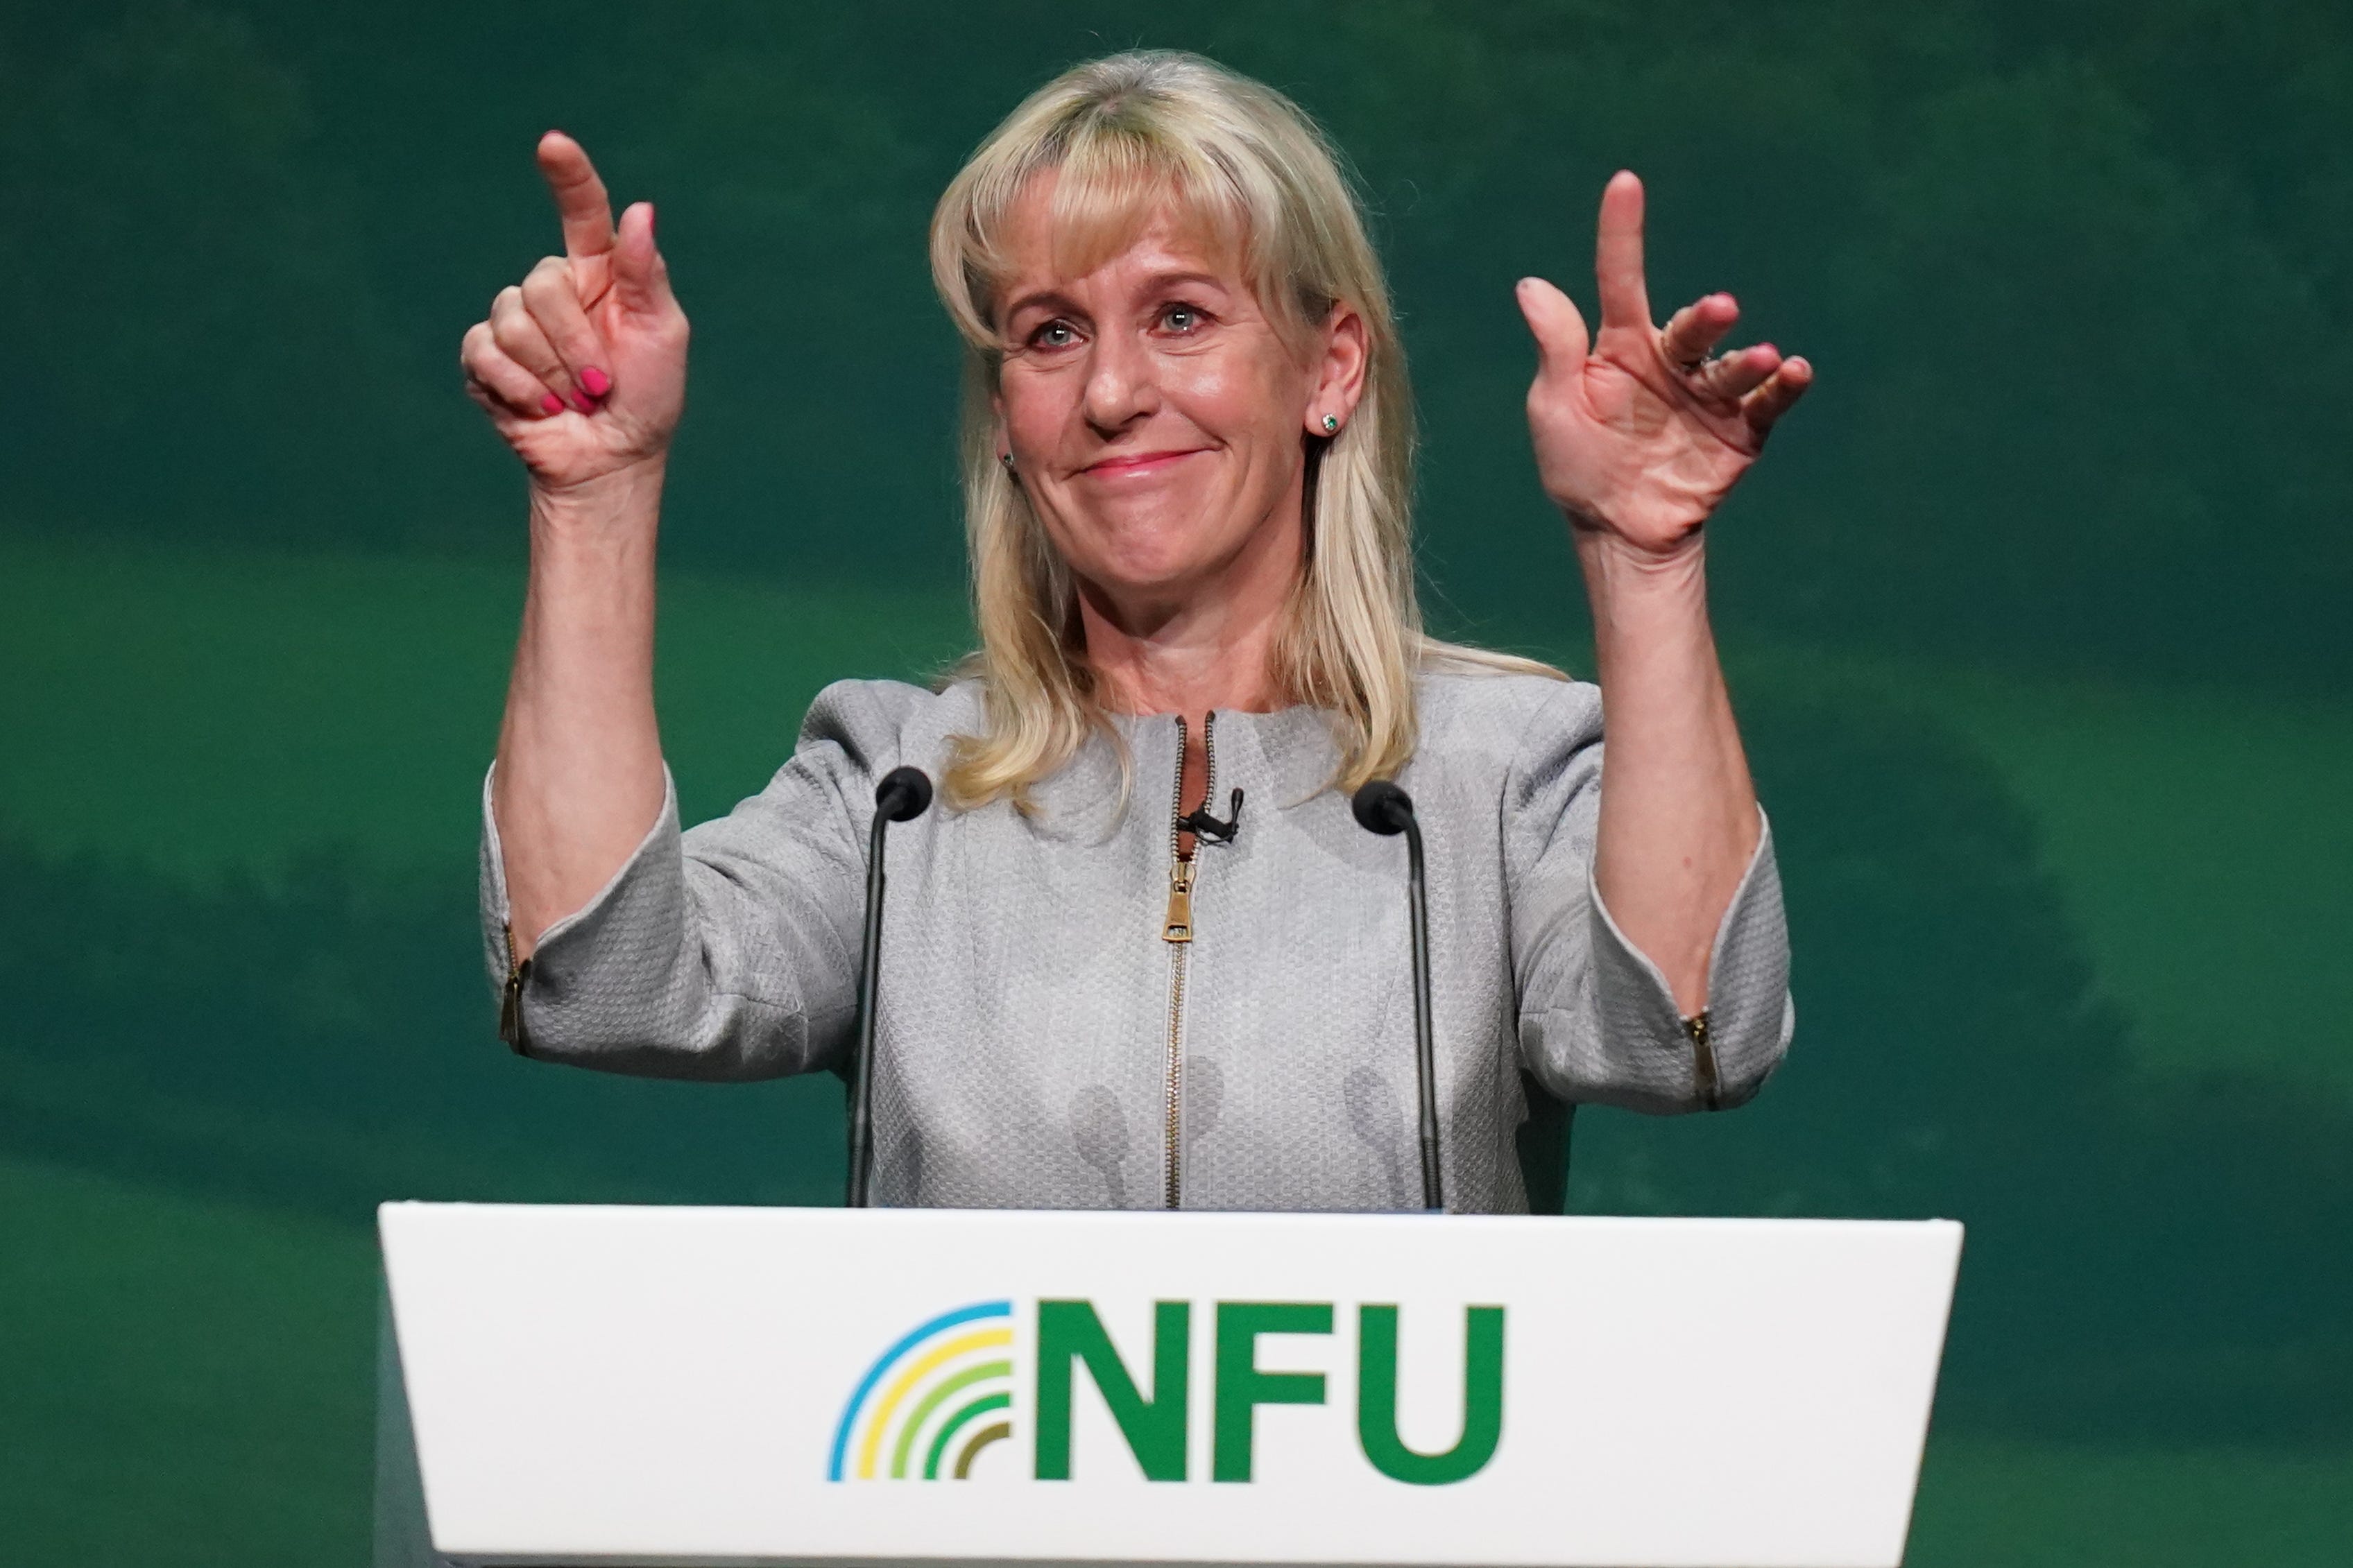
{"points": [[1126, 133]]}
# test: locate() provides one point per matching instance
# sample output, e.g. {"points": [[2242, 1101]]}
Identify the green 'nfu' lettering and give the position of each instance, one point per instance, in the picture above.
{"points": [[1242, 1387], [1069, 1333], [1482, 1398]]}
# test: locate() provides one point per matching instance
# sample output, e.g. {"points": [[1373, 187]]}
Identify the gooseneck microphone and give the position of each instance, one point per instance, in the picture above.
{"points": [[1381, 808], [904, 794]]}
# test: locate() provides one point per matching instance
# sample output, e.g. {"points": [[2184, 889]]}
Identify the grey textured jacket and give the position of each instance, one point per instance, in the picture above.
{"points": [[1041, 1045]]}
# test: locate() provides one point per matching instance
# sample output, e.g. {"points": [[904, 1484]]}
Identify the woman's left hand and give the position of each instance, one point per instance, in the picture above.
{"points": [[1639, 432]]}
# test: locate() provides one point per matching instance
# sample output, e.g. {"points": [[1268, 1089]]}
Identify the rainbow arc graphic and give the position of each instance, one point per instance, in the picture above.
{"points": [[932, 1402]]}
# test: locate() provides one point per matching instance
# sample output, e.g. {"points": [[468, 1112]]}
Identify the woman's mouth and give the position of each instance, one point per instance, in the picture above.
{"points": [[1127, 463]]}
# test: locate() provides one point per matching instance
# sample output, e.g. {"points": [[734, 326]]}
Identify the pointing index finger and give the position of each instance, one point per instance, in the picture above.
{"points": [[580, 199], [1618, 254]]}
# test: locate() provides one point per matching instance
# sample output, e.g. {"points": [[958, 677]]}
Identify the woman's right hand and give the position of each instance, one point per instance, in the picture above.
{"points": [[582, 367]]}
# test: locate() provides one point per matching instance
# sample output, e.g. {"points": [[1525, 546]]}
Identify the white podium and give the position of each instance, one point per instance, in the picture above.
{"points": [[740, 1386]]}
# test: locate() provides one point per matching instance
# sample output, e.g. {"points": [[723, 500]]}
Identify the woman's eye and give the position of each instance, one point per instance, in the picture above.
{"points": [[1054, 335], [1181, 318]]}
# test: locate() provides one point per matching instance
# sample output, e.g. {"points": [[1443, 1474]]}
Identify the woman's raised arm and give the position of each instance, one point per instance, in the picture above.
{"points": [[582, 369], [1638, 435]]}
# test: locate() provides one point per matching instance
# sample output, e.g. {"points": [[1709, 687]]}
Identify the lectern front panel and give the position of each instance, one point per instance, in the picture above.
{"points": [[627, 1385]]}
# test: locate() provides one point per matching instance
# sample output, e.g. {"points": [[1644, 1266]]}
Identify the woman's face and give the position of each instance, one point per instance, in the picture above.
{"points": [[1155, 416]]}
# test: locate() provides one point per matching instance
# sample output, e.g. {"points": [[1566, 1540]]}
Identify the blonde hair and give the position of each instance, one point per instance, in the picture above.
{"points": [[1124, 135]]}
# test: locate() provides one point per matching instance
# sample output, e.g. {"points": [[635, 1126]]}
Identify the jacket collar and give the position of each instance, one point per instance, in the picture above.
{"points": [[1279, 759]]}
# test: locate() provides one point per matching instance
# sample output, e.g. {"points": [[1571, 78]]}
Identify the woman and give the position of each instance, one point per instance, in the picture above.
{"points": [[1186, 477]]}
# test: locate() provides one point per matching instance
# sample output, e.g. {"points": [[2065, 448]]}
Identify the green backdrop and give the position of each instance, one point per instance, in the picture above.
{"points": [[2036, 617]]}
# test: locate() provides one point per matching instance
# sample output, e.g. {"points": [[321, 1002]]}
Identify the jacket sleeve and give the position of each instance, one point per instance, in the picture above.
{"points": [[1598, 1021], [726, 952]]}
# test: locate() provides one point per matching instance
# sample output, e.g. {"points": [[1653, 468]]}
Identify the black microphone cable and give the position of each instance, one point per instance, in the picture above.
{"points": [[904, 794]]}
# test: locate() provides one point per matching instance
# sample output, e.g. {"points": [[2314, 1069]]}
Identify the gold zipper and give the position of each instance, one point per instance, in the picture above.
{"points": [[1176, 929], [1172, 1175], [1696, 1029], [510, 1001], [1178, 925]]}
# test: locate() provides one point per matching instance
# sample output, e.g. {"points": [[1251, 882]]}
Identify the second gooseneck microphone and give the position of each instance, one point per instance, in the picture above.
{"points": [[904, 794], [1381, 808]]}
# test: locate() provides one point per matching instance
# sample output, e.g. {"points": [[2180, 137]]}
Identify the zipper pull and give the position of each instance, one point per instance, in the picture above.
{"points": [[1179, 926], [1699, 1030], [511, 1000]]}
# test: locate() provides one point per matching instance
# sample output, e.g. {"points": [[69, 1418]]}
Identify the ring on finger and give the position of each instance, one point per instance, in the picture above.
{"points": [[1690, 366]]}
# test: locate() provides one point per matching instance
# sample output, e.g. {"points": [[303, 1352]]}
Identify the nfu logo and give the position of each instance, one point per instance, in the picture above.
{"points": [[943, 1392]]}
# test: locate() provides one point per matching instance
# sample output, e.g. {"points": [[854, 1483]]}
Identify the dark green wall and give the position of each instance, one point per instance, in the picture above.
{"points": [[2035, 615]]}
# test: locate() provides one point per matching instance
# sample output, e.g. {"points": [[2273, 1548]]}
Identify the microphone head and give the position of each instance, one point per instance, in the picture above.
{"points": [[1381, 808], [904, 794]]}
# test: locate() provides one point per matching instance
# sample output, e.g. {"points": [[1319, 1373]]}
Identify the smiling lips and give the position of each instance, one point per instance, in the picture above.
{"points": [[1136, 463]]}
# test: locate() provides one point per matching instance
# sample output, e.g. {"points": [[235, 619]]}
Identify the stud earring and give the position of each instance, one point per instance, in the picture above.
{"points": [[1331, 425], [1006, 458]]}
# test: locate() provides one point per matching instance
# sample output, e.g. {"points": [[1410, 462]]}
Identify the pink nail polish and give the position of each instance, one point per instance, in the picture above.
{"points": [[551, 404], [596, 382], [582, 403]]}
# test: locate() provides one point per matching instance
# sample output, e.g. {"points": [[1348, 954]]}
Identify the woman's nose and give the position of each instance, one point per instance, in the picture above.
{"points": [[1120, 387]]}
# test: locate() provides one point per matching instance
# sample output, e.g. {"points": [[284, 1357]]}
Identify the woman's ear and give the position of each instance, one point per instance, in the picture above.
{"points": [[1345, 352]]}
